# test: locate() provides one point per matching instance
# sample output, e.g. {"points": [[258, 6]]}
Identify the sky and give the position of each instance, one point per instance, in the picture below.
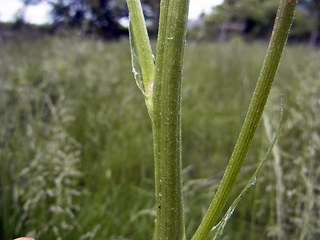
{"points": [[39, 14]]}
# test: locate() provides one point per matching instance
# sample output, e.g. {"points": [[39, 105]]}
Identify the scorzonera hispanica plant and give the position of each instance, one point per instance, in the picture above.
{"points": [[160, 81]]}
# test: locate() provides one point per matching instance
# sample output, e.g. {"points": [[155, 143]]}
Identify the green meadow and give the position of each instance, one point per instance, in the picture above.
{"points": [[76, 142]]}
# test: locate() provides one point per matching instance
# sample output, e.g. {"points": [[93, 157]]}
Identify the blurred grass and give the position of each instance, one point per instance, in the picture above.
{"points": [[76, 142]]}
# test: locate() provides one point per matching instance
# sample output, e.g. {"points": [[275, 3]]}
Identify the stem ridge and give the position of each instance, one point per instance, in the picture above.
{"points": [[277, 42]]}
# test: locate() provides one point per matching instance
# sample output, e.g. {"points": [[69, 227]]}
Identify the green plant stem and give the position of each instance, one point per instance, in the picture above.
{"points": [[277, 42], [167, 119], [142, 42]]}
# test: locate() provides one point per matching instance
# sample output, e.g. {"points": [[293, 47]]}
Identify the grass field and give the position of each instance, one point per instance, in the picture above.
{"points": [[76, 141]]}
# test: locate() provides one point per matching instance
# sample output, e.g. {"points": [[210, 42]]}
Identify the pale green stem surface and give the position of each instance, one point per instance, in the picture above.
{"points": [[277, 42], [142, 42], [167, 119]]}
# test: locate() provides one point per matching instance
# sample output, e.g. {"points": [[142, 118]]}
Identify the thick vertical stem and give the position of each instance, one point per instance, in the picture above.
{"points": [[167, 119], [278, 39]]}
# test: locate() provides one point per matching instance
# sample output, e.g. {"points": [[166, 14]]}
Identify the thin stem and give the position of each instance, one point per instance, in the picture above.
{"points": [[142, 42], [167, 119], [277, 42]]}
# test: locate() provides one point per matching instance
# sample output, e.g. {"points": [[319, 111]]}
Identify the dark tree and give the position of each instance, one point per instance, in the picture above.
{"points": [[258, 17], [310, 10], [104, 16], [96, 16]]}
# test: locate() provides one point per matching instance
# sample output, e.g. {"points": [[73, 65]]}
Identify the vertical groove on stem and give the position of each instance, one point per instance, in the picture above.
{"points": [[167, 119], [277, 42]]}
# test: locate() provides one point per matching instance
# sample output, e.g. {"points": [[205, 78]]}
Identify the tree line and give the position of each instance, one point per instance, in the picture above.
{"points": [[94, 16], [252, 18]]}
